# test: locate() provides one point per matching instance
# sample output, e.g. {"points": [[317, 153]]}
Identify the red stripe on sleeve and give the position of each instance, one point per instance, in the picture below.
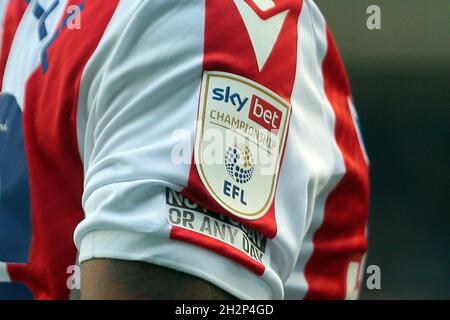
{"points": [[342, 234], [228, 48], [13, 15], [55, 168]]}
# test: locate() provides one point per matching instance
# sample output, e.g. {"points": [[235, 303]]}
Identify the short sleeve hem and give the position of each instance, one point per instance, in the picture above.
{"points": [[220, 271]]}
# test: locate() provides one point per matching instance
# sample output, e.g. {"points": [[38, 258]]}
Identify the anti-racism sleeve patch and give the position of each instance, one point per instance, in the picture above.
{"points": [[241, 133], [216, 232]]}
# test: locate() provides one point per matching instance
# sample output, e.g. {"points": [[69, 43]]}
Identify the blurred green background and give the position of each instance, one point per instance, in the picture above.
{"points": [[400, 78]]}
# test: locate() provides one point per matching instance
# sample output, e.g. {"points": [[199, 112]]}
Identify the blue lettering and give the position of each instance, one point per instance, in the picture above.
{"points": [[243, 198], [38, 11], [42, 16], [218, 94], [234, 192], [227, 188], [227, 96]]}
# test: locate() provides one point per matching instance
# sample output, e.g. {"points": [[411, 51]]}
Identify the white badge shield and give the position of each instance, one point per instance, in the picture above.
{"points": [[241, 133]]}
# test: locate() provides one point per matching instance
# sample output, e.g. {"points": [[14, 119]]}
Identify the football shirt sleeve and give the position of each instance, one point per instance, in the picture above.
{"points": [[137, 106]]}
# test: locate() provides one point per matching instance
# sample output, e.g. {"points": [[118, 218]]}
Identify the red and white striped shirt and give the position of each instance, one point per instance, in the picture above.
{"points": [[217, 138]]}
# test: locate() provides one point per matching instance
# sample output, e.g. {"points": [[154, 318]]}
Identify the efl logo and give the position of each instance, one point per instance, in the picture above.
{"points": [[265, 114], [239, 108]]}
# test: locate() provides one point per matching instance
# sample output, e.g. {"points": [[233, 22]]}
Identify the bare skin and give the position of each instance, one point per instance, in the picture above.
{"points": [[105, 279]]}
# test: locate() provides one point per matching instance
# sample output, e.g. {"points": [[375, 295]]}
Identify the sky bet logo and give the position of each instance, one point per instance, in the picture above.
{"points": [[265, 114], [261, 111], [236, 107], [226, 96]]}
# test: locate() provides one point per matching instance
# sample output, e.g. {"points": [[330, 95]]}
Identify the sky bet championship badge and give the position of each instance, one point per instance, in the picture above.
{"points": [[240, 139]]}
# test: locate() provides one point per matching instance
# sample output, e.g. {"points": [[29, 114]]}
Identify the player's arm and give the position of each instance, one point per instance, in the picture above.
{"points": [[122, 280]]}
